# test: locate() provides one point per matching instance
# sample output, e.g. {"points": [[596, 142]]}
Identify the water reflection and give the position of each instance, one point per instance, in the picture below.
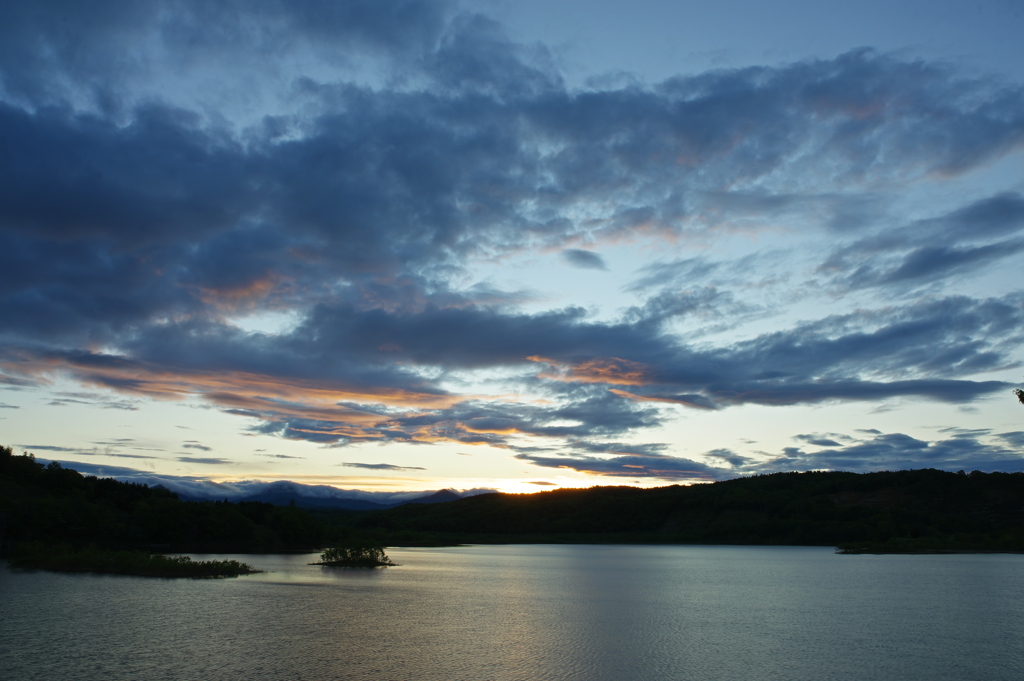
{"points": [[532, 612]]}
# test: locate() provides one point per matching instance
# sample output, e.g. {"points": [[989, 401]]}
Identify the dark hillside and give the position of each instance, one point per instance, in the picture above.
{"points": [[52, 504], [919, 510], [815, 508]]}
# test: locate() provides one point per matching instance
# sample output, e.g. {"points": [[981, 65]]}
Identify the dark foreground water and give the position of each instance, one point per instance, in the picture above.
{"points": [[533, 612]]}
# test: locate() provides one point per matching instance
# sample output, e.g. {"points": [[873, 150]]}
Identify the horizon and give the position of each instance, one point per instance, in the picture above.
{"points": [[404, 246], [202, 489]]}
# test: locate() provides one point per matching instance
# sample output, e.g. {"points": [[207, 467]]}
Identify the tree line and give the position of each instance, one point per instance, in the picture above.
{"points": [[55, 505], [895, 510], [916, 509]]}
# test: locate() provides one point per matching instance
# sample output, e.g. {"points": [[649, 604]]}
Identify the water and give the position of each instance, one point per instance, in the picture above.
{"points": [[532, 612]]}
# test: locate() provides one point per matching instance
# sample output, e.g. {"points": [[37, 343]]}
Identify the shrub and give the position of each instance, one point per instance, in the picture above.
{"points": [[355, 555]]}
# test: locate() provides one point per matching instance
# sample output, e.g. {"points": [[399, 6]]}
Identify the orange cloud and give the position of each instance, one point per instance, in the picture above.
{"points": [[333, 413], [324, 410], [161, 382], [257, 288], [612, 370]]}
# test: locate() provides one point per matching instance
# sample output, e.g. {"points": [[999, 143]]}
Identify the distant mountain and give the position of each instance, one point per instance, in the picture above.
{"points": [[279, 492], [326, 503], [436, 498], [325, 497]]}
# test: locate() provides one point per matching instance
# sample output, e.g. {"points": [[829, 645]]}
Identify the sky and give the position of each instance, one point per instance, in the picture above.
{"points": [[402, 245]]}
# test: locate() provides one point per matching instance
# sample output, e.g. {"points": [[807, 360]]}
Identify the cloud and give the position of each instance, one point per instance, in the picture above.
{"points": [[104, 401], [116, 43], [49, 448], [633, 466], [95, 451], [820, 441], [382, 466], [15, 383], [961, 241], [703, 303], [1014, 438], [606, 377], [661, 274], [197, 232], [149, 205], [618, 459], [587, 260], [896, 451], [730, 457], [210, 461]]}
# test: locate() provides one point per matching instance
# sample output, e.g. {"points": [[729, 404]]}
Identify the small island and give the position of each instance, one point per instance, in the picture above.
{"points": [[355, 556], [137, 563]]}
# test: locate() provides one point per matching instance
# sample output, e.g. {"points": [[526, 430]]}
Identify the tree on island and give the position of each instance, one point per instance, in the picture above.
{"points": [[1020, 394], [355, 554]]}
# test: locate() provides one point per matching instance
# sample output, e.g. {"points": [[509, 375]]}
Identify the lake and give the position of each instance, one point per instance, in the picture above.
{"points": [[532, 612]]}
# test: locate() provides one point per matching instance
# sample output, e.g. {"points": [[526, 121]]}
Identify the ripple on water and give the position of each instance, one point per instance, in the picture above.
{"points": [[532, 612]]}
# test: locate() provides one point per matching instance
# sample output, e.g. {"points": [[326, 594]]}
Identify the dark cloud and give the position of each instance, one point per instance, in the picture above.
{"points": [[618, 448], [196, 445], [930, 261], [632, 466], [54, 48], [730, 457], [898, 451], [101, 470], [138, 229], [587, 260], [91, 399], [993, 216], [212, 461], [1014, 438], [818, 440], [382, 466], [706, 303], [618, 459], [965, 240], [165, 217], [13, 383], [605, 378], [879, 451], [107, 451]]}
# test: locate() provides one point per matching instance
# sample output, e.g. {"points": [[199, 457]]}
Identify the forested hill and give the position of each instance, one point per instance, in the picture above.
{"points": [[56, 505], [909, 510], [916, 510]]}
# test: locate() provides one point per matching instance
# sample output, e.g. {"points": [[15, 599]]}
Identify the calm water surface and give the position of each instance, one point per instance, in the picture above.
{"points": [[532, 612]]}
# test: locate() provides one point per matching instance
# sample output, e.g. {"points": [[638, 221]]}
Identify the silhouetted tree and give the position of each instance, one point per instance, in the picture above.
{"points": [[355, 555]]}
